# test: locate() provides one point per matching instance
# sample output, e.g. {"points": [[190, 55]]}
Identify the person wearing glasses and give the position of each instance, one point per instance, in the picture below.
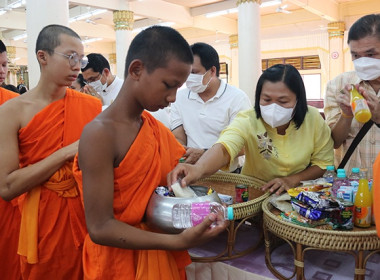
{"points": [[100, 81], [37, 147]]}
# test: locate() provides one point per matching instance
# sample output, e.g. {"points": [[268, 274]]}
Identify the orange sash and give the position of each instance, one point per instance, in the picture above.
{"points": [[64, 184], [154, 152]]}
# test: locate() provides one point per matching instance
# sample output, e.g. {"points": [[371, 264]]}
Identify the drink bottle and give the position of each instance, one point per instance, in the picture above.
{"points": [[363, 203], [359, 106], [339, 181], [185, 215], [329, 174], [355, 174]]}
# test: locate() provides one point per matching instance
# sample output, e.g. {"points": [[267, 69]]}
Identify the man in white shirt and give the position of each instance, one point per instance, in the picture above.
{"points": [[100, 81], [207, 106]]}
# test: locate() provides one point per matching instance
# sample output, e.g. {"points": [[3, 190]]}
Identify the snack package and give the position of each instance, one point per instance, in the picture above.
{"points": [[309, 188], [318, 200], [281, 202], [297, 219], [182, 192], [308, 212]]}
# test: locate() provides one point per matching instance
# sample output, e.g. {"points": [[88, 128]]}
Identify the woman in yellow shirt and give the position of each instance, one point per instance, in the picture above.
{"points": [[285, 140]]}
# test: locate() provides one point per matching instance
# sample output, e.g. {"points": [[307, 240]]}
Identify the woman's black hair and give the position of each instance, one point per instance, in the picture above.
{"points": [[290, 76]]}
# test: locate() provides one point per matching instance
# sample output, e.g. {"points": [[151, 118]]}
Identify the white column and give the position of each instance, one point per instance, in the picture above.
{"points": [[249, 45], [40, 13], [123, 21], [336, 61], [234, 72]]}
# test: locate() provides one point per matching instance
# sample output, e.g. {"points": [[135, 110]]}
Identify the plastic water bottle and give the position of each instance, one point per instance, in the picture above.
{"points": [[340, 180], [185, 215], [355, 174], [329, 174]]}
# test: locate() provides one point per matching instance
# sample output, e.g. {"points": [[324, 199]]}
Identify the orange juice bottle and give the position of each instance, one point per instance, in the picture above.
{"points": [[363, 204], [359, 106]]}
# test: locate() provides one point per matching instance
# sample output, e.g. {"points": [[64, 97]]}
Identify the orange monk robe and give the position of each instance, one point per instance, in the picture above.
{"points": [[53, 227], [376, 192], [152, 155], [9, 225]]}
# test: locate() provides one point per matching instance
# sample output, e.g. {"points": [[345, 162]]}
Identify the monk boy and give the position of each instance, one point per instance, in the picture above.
{"points": [[124, 154], [39, 138], [10, 214]]}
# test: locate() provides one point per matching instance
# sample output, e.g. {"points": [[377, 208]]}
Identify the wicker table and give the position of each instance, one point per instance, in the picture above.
{"points": [[361, 243], [224, 183]]}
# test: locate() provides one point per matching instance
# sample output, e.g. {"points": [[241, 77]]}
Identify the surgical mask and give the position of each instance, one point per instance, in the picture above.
{"points": [[367, 68], [276, 115], [195, 83], [98, 86]]}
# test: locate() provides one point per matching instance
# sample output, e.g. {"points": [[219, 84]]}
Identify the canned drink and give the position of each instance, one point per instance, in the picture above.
{"points": [[241, 192]]}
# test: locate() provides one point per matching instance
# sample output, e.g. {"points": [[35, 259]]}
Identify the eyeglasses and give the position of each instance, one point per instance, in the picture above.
{"points": [[93, 79], [74, 59]]}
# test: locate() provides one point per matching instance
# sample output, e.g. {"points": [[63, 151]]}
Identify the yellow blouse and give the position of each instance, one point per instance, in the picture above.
{"points": [[269, 155]]}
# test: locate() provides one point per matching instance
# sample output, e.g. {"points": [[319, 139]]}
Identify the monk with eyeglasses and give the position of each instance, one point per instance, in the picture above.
{"points": [[39, 138]]}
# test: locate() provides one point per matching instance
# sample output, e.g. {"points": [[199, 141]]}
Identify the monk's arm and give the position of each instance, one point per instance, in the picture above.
{"points": [[14, 180], [96, 161]]}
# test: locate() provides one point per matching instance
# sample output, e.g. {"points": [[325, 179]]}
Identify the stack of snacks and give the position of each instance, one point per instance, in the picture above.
{"points": [[314, 206]]}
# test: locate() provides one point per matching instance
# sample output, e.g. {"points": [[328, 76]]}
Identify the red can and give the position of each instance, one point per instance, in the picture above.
{"points": [[241, 193]]}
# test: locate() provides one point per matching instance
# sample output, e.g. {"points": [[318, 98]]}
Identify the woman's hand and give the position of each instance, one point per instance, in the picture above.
{"points": [[278, 185]]}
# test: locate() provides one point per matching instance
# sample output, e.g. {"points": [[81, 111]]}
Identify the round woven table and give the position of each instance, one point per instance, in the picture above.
{"points": [[361, 243], [224, 183]]}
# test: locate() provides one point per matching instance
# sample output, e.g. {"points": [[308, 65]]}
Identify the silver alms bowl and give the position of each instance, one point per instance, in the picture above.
{"points": [[158, 214]]}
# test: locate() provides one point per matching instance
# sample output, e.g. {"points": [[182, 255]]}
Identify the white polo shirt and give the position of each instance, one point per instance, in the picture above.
{"points": [[110, 93], [204, 121]]}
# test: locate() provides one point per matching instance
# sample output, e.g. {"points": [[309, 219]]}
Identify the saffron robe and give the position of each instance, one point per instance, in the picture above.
{"points": [[376, 193], [152, 155], [52, 217], [9, 225]]}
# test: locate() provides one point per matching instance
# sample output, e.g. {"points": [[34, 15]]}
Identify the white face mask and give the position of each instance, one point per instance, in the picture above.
{"points": [[276, 115], [367, 68], [195, 83], [98, 86]]}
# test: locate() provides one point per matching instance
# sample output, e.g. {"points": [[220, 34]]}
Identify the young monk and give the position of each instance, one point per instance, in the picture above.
{"points": [[10, 214], [37, 147], [124, 154]]}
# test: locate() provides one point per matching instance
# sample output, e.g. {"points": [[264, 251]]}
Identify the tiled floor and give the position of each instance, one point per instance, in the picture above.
{"points": [[319, 265]]}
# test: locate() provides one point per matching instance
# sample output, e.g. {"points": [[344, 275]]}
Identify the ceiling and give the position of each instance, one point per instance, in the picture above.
{"points": [[189, 18]]}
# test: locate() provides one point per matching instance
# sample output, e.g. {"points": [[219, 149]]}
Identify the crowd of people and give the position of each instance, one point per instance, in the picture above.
{"points": [[75, 209]]}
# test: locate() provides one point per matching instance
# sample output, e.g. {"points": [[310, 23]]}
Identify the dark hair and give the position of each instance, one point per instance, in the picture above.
{"points": [[290, 76], [80, 80], [22, 89], [155, 45], [48, 38], [3, 48], [11, 88], [208, 56], [368, 25], [97, 63]]}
